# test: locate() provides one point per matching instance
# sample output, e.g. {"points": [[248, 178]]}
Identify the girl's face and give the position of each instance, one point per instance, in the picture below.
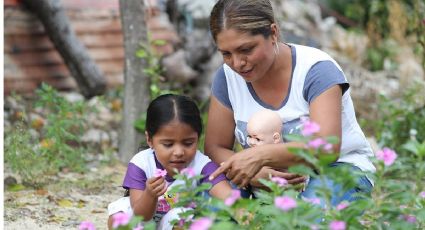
{"points": [[250, 56], [175, 145]]}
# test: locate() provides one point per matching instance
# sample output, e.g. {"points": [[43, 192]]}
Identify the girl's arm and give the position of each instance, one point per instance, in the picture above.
{"points": [[144, 202], [219, 136], [243, 166], [221, 190]]}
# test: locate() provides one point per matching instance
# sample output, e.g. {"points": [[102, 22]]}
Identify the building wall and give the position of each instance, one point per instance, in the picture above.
{"points": [[30, 58]]}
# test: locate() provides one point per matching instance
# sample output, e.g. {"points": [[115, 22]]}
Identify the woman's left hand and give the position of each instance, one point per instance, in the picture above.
{"points": [[268, 172], [240, 168]]}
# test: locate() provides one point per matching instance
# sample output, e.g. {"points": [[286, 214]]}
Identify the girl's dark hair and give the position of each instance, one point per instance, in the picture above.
{"points": [[167, 107], [248, 16]]}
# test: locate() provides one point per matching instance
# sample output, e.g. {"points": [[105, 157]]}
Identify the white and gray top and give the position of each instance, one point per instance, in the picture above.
{"points": [[313, 72]]}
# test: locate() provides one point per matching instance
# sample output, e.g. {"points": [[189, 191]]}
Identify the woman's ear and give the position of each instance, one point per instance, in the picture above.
{"points": [[275, 32], [276, 138], [148, 140]]}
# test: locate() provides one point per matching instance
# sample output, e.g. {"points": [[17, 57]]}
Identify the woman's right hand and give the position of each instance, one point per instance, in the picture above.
{"points": [[156, 186]]}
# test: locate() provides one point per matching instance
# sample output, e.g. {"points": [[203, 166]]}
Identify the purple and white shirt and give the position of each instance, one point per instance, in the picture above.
{"points": [[144, 164]]}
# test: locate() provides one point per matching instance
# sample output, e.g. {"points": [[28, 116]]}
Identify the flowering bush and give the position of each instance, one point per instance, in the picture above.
{"points": [[397, 201]]}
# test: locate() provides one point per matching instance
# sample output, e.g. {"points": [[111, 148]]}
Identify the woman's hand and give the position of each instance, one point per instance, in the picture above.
{"points": [[240, 168], [267, 172], [156, 186]]}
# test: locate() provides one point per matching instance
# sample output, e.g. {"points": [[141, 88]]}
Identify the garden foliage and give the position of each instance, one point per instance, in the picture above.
{"points": [[396, 203]]}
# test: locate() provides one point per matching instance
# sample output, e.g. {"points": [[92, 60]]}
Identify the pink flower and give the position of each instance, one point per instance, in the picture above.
{"points": [[119, 219], [236, 195], [160, 173], [280, 181], [309, 128], [181, 223], [387, 155], [202, 223], [422, 194], [312, 200], [316, 143], [285, 203], [314, 227], [139, 227], [337, 225], [328, 147], [191, 205], [86, 225], [410, 218], [341, 206], [190, 172]]}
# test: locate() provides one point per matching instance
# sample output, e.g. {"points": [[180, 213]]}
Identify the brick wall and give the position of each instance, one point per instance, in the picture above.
{"points": [[30, 57]]}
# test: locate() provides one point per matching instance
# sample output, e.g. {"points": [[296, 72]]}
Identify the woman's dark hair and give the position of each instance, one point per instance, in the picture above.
{"points": [[167, 107], [249, 16]]}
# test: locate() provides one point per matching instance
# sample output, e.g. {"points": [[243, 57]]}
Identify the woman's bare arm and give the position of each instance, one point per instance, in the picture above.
{"points": [[219, 136]]}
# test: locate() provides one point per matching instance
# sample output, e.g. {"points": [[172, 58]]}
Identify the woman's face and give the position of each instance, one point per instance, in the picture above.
{"points": [[248, 55], [175, 145]]}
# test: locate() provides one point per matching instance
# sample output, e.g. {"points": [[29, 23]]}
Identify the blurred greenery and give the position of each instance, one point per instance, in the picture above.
{"points": [[384, 22]]}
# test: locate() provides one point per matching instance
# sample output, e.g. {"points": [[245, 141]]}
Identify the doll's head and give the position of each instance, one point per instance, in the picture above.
{"points": [[264, 127]]}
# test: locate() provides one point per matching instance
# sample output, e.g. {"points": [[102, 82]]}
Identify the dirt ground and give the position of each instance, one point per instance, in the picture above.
{"points": [[69, 199]]}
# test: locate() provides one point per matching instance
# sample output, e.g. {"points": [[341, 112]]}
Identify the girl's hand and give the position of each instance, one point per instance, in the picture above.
{"points": [[156, 186]]}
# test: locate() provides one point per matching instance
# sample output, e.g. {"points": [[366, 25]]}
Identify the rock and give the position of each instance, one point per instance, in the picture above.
{"points": [[10, 180], [176, 68]]}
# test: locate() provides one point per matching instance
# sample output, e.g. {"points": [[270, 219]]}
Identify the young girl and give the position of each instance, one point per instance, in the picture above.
{"points": [[173, 127]]}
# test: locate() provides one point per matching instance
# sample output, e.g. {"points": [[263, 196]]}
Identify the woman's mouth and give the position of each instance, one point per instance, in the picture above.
{"points": [[245, 73]]}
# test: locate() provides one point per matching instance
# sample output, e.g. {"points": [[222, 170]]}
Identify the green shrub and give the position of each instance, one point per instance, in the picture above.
{"points": [[401, 119], [58, 145], [392, 205]]}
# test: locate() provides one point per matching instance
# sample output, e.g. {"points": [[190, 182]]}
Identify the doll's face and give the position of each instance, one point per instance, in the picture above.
{"points": [[264, 127]]}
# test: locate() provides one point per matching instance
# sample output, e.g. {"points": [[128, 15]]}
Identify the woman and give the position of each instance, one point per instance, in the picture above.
{"points": [[260, 72]]}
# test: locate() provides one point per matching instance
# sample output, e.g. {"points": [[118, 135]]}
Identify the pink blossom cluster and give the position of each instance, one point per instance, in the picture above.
{"points": [[189, 172], [202, 223], [236, 195], [386, 155], [285, 203], [279, 181]]}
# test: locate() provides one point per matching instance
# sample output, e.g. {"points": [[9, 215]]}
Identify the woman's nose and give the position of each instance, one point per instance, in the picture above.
{"points": [[239, 62]]}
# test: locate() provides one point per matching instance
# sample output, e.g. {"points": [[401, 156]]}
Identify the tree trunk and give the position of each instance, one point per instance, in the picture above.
{"points": [[136, 83], [85, 71]]}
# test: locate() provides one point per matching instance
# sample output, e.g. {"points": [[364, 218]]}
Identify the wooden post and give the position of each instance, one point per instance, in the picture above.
{"points": [[136, 82]]}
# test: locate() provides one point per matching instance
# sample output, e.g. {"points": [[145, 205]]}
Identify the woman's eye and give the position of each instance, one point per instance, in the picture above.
{"points": [[225, 54], [246, 50]]}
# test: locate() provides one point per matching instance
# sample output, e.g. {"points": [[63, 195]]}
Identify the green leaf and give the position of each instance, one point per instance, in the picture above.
{"points": [[326, 159], [141, 53], [302, 170], [15, 187], [159, 42]]}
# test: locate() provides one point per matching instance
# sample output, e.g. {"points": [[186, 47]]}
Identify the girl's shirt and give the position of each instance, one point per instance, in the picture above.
{"points": [[144, 164], [313, 72]]}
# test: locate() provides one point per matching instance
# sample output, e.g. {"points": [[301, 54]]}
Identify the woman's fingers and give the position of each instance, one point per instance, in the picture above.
{"points": [[297, 180], [224, 166]]}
